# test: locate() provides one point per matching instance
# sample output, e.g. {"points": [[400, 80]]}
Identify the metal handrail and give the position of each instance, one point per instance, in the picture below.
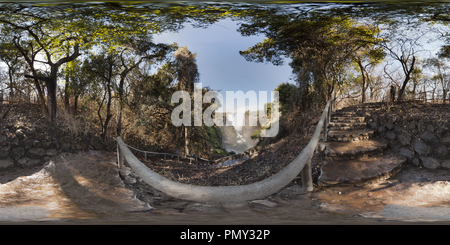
{"points": [[226, 194]]}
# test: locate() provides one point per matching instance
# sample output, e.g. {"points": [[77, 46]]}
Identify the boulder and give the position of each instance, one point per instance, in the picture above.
{"points": [[4, 163], [442, 150], [4, 152], [65, 147], [446, 163], [446, 140], [3, 140], [428, 136], [404, 138], [20, 133], [407, 153], [36, 153], [421, 147], [17, 152], [51, 152], [429, 162], [389, 125], [415, 161], [390, 135]]}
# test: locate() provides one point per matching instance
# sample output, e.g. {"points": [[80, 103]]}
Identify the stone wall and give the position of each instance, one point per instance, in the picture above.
{"points": [[22, 145], [419, 132]]}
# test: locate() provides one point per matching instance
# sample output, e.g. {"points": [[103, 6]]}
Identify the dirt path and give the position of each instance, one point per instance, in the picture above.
{"points": [[86, 187], [69, 186]]}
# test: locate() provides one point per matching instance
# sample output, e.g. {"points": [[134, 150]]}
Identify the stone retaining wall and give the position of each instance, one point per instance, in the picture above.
{"points": [[423, 139], [26, 146]]}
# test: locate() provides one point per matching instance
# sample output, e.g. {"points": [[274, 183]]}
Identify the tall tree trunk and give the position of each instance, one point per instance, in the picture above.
{"points": [[75, 105], [11, 86], [363, 90], [41, 97], [186, 142], [66, 94]]}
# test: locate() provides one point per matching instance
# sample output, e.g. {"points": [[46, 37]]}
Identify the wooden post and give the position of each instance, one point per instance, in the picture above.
{"points": [[164, 157], [119, 157], [325, 125], [145, 153], [307, 177]]}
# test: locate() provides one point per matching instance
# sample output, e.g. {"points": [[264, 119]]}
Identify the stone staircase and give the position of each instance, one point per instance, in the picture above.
{"points": [[353, 155]]}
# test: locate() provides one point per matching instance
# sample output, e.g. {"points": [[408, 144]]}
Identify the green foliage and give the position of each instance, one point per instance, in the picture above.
{"points": [[286, 91]]}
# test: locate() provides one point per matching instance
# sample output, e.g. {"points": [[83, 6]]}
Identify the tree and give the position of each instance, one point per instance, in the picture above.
{"points": [[441, 75], [11, 57], [321, 47], [187, 74], [131, 55], [367, 57], [285, 93], [103, 67], [402, 44]]}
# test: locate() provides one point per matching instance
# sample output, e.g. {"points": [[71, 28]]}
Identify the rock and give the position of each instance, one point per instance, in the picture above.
{"points": [[36, 143], [373, 125], [322, 147], [412, 125], [404, 138], [46, 144], [17, 152], [446, 163], [51, 152], [389, 125], [421, 147], [429, 162], [428, 136], [27, 144], [430, 128], [36, 153], [14, 141], [415, 162], [32, 162], [130, 180], [124, 172], [442, 150], [407, 153], [4, 163], [3, 140], [30, 131], [65, 147], [20, 133], [381, 129], [4, 152], [446, 140], [390, 135], [23, 161]]}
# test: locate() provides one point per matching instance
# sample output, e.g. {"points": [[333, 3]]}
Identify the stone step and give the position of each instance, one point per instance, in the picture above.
{"points": [[360, 171], [351, 150], [345, 114], [350, 135], [346, 125], [347, 119]]}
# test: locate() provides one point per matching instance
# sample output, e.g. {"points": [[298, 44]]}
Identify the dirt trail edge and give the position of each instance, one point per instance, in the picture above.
{"points": [[69, 186]]}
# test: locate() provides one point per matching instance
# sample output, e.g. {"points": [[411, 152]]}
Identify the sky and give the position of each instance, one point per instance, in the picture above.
{"points": [[220, 65]]}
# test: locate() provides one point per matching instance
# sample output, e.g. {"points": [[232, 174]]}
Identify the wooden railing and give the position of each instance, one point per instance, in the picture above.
{"points": [[190, 158], [225, 194]]}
